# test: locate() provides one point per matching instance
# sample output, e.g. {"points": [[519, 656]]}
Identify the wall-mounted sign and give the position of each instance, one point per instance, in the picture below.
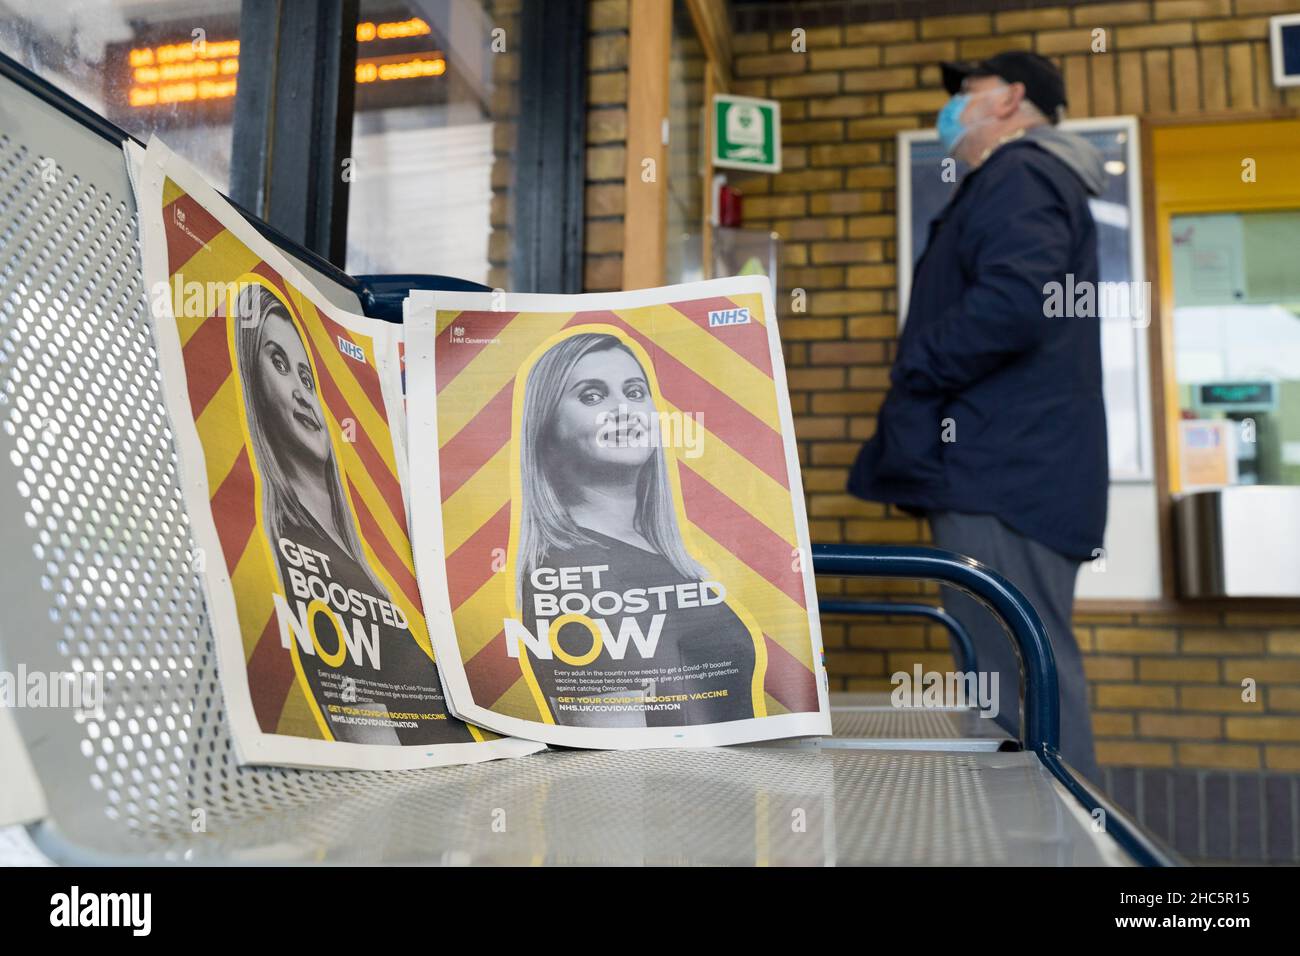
{"points": [[746, 133]]}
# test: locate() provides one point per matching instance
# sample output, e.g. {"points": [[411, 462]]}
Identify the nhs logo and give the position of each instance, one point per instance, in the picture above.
{"points": [[351, 349], [728, 317]]}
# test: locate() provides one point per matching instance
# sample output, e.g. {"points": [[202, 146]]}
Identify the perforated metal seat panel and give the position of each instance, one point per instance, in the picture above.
{"points": [[99, 575], [897, 724], [99, 579], [871, 717], [738, 806]]}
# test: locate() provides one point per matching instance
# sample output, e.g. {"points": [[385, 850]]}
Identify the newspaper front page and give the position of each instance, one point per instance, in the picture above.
{"points": [[608, 518], [289, 450]]}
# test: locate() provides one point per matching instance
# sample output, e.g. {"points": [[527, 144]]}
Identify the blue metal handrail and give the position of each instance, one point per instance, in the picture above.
{"points": [[964, 647], [1042, 717], [1041, 731]]}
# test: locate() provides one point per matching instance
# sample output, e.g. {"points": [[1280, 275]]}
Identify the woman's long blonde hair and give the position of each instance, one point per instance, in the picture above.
{"points": [[545, 522], [282, 509]]}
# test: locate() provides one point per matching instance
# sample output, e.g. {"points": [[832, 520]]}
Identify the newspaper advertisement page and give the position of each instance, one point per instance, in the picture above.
{"points": [[608, 516], [289, 472]]}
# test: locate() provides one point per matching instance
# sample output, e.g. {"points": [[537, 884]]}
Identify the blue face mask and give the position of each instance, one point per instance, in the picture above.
{"points": [[950, 125], [951, 128]]}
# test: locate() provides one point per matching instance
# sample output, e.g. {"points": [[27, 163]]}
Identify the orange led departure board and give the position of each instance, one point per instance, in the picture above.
{"points": [[188, 75]]}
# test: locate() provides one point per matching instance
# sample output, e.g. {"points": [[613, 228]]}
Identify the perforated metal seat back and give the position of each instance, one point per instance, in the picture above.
{"points": [[97, 574]]}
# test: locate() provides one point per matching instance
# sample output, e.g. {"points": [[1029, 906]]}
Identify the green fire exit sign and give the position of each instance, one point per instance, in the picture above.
{"points": [[746, 133]]}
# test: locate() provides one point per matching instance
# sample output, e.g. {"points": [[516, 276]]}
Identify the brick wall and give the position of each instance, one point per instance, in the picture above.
{"points": [[1166, 687]]}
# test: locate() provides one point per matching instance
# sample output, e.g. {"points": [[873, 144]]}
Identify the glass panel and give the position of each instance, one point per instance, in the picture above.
{"points": [[162, 67], [432, 140], [1237, 347], [686, 67], [1124, 320], [734, 252]]}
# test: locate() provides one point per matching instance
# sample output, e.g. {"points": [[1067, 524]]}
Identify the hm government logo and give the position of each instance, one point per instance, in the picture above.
{"points": [[178, 218], [724, 317], [456, 336]]}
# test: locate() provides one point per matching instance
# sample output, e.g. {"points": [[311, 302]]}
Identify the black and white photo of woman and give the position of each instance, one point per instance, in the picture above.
{"points": [[303, 502], [596, 491]]}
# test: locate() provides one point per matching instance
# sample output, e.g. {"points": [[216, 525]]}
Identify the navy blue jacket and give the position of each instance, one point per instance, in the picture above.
{"points": [[995, 407]]}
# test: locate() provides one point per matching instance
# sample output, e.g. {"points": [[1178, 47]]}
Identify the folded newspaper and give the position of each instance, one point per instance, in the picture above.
{"points": [[288, 457], [604, 501], [608, 518]]}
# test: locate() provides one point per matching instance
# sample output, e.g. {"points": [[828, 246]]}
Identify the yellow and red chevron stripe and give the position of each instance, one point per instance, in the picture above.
{"points": [[201, 250], [738, 515]]}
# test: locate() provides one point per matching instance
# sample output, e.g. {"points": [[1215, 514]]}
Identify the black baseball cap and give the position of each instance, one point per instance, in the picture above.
{"points": [[1044, 85]]}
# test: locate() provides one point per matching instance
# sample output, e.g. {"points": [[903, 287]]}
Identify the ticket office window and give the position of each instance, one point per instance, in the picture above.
{"points": [[1227, 226], [1236, 339]]}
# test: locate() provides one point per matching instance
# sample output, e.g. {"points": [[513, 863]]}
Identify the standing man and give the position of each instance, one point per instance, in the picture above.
{"points": [[994, 426]]}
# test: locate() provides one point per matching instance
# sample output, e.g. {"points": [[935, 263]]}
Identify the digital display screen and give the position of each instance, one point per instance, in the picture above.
{"points": [[1232, 394], [182, 75]]}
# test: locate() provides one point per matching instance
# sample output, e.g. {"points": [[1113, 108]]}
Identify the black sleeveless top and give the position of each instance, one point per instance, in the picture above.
{"points": [[701, 670], [407, 679]]}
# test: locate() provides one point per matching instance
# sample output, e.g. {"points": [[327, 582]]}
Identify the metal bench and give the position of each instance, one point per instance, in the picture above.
{"points": [[97, 578]]}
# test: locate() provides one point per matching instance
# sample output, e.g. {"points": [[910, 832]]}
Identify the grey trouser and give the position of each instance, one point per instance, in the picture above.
{"points": [[1047, 579]]}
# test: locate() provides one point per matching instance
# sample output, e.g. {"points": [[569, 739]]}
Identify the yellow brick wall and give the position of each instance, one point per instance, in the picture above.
{"points": [[1166, 688]]}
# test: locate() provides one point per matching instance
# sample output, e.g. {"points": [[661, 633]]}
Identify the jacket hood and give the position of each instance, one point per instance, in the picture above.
{"points": [[1075, 151]]}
